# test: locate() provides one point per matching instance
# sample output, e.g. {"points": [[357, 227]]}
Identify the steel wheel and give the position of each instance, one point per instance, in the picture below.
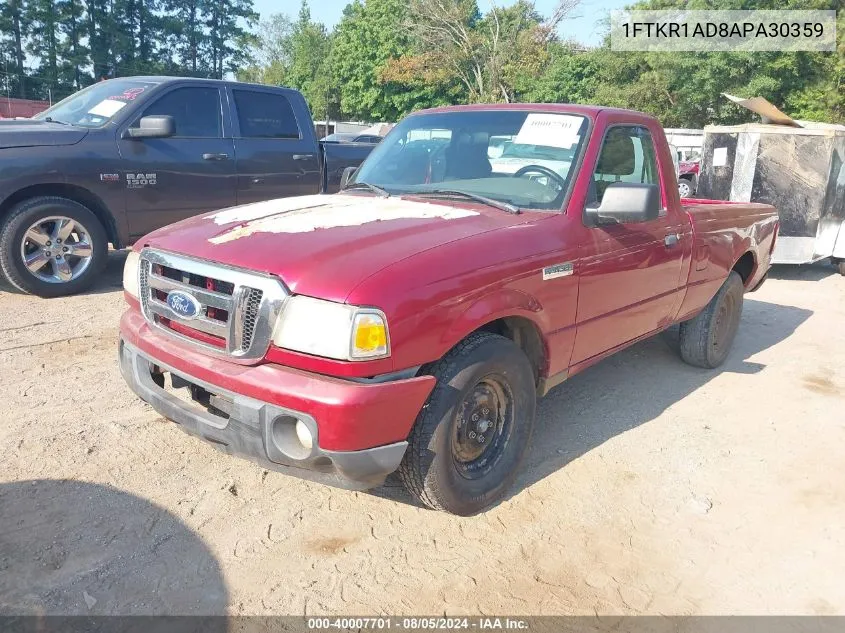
{"points": [[482, 427], [57, 249], [467, 444], [684, 188]]}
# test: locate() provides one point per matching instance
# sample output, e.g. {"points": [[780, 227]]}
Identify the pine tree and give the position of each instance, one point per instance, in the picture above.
{"points": [[14, 28]]}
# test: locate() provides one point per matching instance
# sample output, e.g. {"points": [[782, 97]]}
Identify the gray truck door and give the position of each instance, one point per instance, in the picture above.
{"points": [[277, 151], [192, 172]]}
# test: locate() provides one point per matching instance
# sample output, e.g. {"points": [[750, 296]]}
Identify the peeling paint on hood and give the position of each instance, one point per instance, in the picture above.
{"points": [[367, 234], [258, 210], [301, 215]]}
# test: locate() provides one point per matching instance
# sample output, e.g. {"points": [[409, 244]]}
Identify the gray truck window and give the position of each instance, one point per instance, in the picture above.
{"points": [[195, 111], [627, 155], [265, 115]]}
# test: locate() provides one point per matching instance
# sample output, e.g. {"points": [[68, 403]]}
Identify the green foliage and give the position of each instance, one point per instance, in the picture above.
{"points": [[369, 36], [51, 48], [685, 89], [387, 58]]}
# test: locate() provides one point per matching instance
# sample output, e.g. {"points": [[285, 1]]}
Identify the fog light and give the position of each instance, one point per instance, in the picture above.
{"points": [[304, 435]]}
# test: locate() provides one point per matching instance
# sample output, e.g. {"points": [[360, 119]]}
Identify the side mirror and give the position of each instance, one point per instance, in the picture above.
{"points": [[154, 126], [346, 176], [625, 202]]}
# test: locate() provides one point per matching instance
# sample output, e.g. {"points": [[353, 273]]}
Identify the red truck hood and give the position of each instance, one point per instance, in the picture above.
{"points": [[324, 246]]}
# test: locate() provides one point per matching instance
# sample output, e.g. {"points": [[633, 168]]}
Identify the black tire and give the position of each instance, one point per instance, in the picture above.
{"points": [[840, 265], [18, 222], [706, 339], [688, 183], [433, 469]]}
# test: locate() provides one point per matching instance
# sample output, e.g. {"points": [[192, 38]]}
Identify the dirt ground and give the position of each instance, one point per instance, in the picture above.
{"points": [[652, 487]]}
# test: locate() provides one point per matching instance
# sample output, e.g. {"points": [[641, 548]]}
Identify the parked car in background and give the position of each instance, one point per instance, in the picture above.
{"points": [[688, 177], [126, 156], [367, 138], [411, 321], [338, 137]]}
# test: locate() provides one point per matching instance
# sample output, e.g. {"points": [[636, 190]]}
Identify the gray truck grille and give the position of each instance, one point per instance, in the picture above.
{"points": [[237, 309]]}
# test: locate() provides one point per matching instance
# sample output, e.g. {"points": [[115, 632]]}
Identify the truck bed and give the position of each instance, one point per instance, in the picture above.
{"points": [[722, 232]]}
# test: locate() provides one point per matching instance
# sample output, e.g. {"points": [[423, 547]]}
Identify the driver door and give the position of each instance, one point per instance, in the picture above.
{"points": [[631, 280], [192, 172]]}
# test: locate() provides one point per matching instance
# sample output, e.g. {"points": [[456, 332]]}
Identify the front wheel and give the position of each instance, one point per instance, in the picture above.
{"points": [[468, 442], [840, 265], [52, 247], [706, 339], [685, 188]]}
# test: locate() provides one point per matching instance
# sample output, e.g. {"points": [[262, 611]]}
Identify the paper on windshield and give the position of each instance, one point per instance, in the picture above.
{"points": [[107, 108], [551, 130]]}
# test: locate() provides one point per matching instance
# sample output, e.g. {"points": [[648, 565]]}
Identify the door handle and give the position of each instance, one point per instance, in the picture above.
{"points": [[215, 156], [672, 240], [302, 156]]}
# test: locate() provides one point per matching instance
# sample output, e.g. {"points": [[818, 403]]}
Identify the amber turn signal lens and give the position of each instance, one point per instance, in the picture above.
{"points": [[369, 335]]}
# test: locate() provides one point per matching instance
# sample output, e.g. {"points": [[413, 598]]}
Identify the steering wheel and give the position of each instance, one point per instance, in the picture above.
{"points": [[545, 171]]}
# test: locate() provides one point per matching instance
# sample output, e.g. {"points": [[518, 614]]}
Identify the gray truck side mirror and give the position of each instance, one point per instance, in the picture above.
{"points": [[346, 176], [153, 126], [625, 202]]}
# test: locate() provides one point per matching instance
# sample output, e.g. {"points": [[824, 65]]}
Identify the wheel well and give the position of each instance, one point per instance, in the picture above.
{"points": [[71, 192], [745, 266], [526, 335]]}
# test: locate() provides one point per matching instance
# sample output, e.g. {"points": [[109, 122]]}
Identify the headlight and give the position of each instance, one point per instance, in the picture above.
{"points": [[130, 273], [333, 330]]}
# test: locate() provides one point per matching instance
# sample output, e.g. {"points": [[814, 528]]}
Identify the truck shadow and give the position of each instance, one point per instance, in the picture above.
{"points": [[76, 548], [629, 389], [110, 280], [803, 272]]}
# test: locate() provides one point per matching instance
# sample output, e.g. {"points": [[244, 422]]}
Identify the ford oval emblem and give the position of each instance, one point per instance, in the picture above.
{"points": [[183, 305]]}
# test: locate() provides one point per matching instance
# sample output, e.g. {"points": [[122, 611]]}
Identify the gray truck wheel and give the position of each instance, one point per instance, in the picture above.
{"points": [[469, 440], [706, 339], [52, 247], [685, 188]]}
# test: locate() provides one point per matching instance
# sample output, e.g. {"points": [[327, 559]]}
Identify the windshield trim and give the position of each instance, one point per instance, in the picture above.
{"points": [[130, 107], [577, 159]]}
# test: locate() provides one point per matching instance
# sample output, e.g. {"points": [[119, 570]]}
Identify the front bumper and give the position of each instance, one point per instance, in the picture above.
{"points": [[359, 430]]}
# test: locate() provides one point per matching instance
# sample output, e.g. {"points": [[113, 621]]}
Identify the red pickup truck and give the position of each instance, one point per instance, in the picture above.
{"points": [[480, 256]]}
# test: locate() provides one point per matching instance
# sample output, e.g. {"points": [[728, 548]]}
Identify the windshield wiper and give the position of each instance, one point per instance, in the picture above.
{"points": [[490, 202], [381, 193], [50, 119]]}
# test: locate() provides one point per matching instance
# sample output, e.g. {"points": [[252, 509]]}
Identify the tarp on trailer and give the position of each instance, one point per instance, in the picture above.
{"points": [[797, 166]]}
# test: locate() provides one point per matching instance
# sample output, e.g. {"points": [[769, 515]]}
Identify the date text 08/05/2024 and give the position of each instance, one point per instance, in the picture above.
{"points": [[418, 623]]}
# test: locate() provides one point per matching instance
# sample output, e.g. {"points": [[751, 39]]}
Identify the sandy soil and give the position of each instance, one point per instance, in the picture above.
{"points": [[652, 487]]}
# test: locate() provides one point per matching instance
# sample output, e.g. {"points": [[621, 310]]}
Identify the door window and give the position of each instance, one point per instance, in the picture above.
{"points": [[265, 115], [196, 111], [627, 155]]}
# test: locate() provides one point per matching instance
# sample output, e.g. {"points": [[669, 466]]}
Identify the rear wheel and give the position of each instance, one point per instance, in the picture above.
{"points": [[840, 265], [52, 247], [685, 188], [706, 339], [469, 440]]}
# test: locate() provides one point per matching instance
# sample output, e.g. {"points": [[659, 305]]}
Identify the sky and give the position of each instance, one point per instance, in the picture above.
{"points": [[584, 27]]}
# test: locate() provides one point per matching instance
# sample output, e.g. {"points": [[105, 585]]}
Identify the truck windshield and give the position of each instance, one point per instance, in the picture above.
{"points": [[521, 158], [97, 104]]}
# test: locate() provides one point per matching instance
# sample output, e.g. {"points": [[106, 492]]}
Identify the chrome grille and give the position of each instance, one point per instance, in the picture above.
{"points": [[238, 308], [253, 304]]}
